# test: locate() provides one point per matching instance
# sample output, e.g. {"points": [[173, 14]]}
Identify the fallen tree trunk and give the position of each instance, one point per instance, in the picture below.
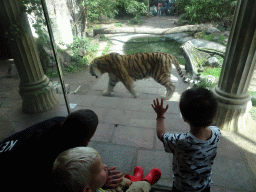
{"points": [[155, 31], [194, 57]]}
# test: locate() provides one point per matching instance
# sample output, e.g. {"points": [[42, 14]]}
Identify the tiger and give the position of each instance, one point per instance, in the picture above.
{"points": [[129, 68]]}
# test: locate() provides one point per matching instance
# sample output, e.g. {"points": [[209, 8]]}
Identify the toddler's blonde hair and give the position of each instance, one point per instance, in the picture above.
{"points": [[71, 169]]}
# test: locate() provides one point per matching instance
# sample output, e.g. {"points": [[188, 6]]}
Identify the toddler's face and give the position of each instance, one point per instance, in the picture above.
{"points": [[99, 174]]}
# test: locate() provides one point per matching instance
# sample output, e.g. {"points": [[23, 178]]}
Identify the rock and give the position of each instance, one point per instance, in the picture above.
{"points": [[226, 33], [97, 37], [12, 72], [197, 52], [60, 17], [179, 37], [210, 47], [211, 30], [89, 34], [210, 79], [46, 56], [213, 62], [81, 51], [216, 38], [225, 41], [58, 88]]}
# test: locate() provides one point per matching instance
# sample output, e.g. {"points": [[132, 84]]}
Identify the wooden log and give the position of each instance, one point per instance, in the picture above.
{"points": [[155, 31], [195, 58]]}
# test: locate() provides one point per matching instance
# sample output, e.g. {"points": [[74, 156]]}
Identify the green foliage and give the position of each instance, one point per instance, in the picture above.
{"points": [[106, 49], [199, 11], [208, 37], [97, 8], [205, 83], [103, 37], [78, 60], [132, 7], [135, 8], [181, 4], [35, 7], [220, 40], [253, 113], [118, 24], [136, 20], [253, 94], [212, 71], [78, 43], [53, 74]]}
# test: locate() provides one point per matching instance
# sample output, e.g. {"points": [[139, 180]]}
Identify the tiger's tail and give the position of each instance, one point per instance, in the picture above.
{"points": [[177, 66]]}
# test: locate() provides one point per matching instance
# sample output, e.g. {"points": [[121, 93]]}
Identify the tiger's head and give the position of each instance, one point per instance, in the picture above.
{"points": [[94, 71]]}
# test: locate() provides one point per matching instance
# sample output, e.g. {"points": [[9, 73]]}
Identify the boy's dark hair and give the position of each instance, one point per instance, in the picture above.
{"points": [[198, 106], [82, 123]]}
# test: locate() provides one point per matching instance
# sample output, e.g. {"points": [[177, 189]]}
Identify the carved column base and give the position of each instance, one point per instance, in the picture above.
{"points": [[233, 111], [38, 96]]}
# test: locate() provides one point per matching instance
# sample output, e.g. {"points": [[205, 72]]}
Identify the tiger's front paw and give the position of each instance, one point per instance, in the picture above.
{"points": [[105, 93]]}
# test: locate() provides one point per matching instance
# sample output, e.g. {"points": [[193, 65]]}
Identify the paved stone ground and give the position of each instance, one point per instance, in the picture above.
{"points": [[126, 135]]}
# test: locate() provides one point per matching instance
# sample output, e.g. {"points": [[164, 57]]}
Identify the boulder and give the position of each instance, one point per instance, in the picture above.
{"points": [[210, 47], [12, 72], [225, 41], [198, 52], [226, 33], [213, 62], [47, 58], [60, 18], [211, 30]]}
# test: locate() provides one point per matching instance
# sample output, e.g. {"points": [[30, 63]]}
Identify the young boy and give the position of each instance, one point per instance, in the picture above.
{"points": [[80, 169], [194, 151]]}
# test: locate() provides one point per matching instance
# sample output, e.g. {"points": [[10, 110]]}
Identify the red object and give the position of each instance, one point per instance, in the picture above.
{"points": [[153, 176], [138, 174]]}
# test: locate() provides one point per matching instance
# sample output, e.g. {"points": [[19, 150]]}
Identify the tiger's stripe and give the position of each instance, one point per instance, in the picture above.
{"points": [[129, 68]]}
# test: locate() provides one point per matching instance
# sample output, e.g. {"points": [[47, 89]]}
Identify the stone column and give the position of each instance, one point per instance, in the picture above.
{"points": [[36, 90], [238, 67]]}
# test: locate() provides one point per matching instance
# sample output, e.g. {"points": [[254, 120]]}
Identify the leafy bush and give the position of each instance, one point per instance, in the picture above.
{"points": [[77, 44], [181, 4], [97, 8], [136, 8], [76, 47], [136, 20], [208, 10]]}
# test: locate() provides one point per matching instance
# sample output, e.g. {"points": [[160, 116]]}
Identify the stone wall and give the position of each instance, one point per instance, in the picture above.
{"points": [[60, 16]]}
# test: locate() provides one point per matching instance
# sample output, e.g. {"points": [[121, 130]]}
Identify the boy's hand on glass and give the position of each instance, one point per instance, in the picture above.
{"points": [[114, 178], [158, 107]]}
